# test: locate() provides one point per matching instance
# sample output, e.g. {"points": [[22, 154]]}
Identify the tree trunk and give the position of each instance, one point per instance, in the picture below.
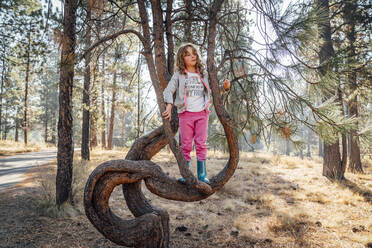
{"points": [[188, 23], [16, 134], [103, 112], [343, 136], [25, 126], [85, 153], [1, 95], [320, 147], [138, 97], [169, 36], [6, 128], [308, 153], [348, 137], [287, 147], [46, 116], [93, 131], [355, 164], [332, 167], [54, 130], [93, 120], [112, 117], [46, 126], [123, 131], [16, 131], [65, 144]]}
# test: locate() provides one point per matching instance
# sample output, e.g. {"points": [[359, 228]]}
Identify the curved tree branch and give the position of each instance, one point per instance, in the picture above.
{"points": [[150, 227], [112, 37]]}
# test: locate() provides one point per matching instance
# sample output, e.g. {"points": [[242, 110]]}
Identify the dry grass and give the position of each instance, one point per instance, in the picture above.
{"points": [[253, 157], [295, 228], [9, 147], [271, 201], [81, 172], [318, 197], [290, 162]]}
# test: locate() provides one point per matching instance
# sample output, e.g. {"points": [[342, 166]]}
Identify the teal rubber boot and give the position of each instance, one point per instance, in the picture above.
{"points": [[181, 179], [202, 171]]}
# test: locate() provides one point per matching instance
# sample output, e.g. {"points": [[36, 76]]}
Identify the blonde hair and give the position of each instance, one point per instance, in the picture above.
{"points": [[180, 62]]}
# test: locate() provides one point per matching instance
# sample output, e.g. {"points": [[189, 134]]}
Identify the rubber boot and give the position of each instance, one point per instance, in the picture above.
{"points": [[202, 171], [181, 179]]}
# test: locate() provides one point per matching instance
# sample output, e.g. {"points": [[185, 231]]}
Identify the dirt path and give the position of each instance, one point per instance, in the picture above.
{"points": [[13, 168]]}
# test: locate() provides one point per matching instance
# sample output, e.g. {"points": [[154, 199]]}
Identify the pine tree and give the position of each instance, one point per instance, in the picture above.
{"points": [[65, 144], [26, 19], [87, 84]]}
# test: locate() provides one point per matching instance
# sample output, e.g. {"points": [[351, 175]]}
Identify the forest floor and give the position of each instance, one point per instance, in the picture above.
{"points": [[271, 201]]}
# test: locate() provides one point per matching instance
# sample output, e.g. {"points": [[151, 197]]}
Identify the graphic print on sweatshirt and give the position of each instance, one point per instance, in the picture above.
{"points": [[194, 93]]}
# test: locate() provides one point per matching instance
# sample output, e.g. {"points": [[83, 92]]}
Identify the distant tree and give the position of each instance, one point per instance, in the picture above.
{"points": [[87, 84], [27, 20], [301, 55], [12, 104], [332, 166], [103, 111], [354, 25], [94, 107], [113, 99], [48, 93]]}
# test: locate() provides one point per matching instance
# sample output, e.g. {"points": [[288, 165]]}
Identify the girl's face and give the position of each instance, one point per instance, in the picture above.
{"points": [[190, 58]]}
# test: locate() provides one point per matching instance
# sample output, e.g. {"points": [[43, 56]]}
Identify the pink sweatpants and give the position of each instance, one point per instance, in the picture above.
{"points": [[194, 125]]}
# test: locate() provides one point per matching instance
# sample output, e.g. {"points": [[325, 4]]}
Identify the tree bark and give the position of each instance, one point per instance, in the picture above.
{"points": [[112, 117], [138, 98], [85, 152], [6, 128], [169, 36], [123, 131], [46, 125], [16, 135], [188, 23], [343, 136], [65, 144], [103, 112], [16, 131], [25, 121], [332, 167], [355, 164], [93, 119], [1, 95]]}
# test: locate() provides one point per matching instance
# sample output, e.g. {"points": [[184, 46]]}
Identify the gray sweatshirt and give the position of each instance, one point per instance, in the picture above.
{"points": [[177, 84]]}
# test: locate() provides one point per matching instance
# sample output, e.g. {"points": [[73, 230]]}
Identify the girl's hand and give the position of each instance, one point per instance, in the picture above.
{"points": [[226, 85], [168, 112]]}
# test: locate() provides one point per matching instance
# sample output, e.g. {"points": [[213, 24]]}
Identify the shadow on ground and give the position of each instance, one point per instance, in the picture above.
{"points": [[365, 193]]}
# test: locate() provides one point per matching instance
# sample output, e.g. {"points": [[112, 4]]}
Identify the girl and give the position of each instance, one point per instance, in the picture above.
{"points": [[190, 82]]}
